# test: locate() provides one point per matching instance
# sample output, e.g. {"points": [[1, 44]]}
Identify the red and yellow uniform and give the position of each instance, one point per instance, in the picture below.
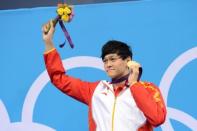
{"points": [[138, 107]]}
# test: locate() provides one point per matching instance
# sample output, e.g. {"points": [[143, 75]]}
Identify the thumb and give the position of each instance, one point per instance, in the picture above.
{"points": [[51, 30]]}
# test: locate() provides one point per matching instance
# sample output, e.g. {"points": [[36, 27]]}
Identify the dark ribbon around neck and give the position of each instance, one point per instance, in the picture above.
{"points": [[125, 78]]}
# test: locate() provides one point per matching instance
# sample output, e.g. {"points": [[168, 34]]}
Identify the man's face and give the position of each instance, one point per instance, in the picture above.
{"points": [[115, 66]]}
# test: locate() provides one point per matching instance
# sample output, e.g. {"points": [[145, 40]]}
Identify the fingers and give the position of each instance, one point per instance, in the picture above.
{"points": [[51, 24], [48, 31], [133, 64], [48, 27], [45, 27], [51, 27], [136, 71]]}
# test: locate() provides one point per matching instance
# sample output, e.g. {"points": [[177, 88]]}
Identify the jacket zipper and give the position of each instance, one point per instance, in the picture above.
{"points": [[113, 113]]}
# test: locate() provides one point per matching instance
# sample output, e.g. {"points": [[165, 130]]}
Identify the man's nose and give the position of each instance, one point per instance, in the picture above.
{"points": [[108, 64]]}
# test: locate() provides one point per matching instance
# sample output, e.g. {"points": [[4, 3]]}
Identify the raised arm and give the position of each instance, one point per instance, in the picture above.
{"points": [[73, 87]]}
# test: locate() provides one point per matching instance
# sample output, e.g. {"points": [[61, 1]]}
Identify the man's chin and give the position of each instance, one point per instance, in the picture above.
{"points": [[111, 76]]}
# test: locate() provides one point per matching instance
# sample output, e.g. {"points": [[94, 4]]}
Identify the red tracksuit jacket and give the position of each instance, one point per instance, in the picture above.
{"points": [[139, 107]]}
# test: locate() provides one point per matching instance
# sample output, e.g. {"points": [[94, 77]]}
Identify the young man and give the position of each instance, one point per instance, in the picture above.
{"points": [[124, 104]]}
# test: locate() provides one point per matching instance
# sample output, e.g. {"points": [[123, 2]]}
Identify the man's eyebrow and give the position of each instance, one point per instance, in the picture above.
{"points": [[111, 56]]}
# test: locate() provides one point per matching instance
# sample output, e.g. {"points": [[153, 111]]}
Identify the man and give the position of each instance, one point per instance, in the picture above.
{"points": [[124, 104]]}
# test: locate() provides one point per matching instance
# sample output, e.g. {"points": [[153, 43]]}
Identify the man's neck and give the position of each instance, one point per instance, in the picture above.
{"points": [[120, 84], [120, 79]]}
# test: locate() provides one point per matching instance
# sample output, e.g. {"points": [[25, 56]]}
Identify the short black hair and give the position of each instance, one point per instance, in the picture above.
{"points": [[118, 47]]}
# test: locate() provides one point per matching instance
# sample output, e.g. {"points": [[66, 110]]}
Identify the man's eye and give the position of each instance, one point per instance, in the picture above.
{"points": [[112, 59]]}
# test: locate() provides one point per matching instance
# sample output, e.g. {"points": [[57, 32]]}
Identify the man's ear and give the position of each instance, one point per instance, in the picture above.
{"points": [[128, 59]]}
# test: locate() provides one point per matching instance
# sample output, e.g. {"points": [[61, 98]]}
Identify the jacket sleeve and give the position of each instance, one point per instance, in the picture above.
{"points": [[76, 88], [149, 99]]}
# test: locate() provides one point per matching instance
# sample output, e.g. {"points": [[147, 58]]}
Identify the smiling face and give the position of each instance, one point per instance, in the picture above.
{"points": [[115, 55], [115, 66]]}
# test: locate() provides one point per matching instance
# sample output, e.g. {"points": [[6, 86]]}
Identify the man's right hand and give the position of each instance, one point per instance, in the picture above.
{"points": [[47, 35]]}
